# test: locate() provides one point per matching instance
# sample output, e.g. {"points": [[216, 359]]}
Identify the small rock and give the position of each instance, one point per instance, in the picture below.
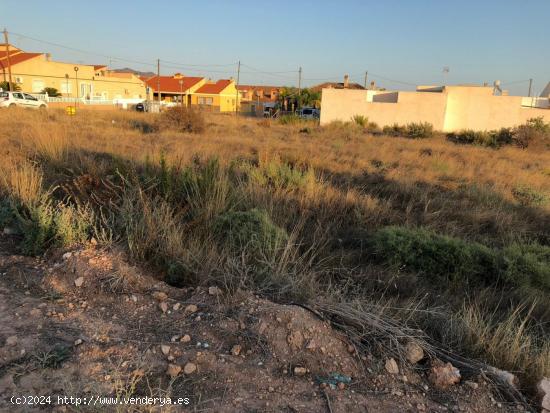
{"points": [[443, 376], [472, 384], [341, 386], [160, 296], [300, 371], [35, 312], [190, 368], [191, 308], [351, 349], [163, 306], [9, 231], [186, 338], [165, 349], [67, 255], [295, 340], [505, 377], [78, 342], [176, 306], [79, 281], [311, 345], [11, 341], [214, 291], [173, 370], [236, 350], [391, 366], [543, 391], [414, 353], [174, 339]]}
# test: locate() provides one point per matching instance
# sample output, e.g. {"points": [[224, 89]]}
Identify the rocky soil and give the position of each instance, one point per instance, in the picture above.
{"points": [[86, 323]]}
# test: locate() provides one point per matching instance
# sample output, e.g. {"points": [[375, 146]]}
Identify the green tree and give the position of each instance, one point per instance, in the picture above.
{"points": [[51, 91], [5, 85], [306, 97]]}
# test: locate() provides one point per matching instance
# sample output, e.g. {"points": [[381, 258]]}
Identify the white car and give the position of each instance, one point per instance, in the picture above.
{"points": [[13, 99]]}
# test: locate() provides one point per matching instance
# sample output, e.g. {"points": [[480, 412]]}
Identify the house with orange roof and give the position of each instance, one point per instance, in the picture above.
{"points": [[255, 98], [176, 88], [220, 96], [33, 72]]}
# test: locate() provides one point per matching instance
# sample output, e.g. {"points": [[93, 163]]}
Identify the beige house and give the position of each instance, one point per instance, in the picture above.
{"points": [[33, 72], [447, 108]]}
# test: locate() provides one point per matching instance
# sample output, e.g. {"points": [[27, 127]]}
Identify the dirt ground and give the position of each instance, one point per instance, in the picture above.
{"points": [[87, 324]]}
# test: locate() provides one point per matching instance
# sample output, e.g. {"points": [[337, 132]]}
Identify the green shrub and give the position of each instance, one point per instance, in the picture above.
{"points": [[435, 256], [527, 196], [290, 119], [252, 230], [411, 130], [419, 130], [538, 124], [278, 175], [527, 265], [441, 257], [38, 228], [491, 139], [360, 120], [393, 130]]}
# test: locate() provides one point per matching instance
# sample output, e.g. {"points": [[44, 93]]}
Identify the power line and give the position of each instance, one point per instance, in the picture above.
{"points": [[74, 49], [199, 65]]}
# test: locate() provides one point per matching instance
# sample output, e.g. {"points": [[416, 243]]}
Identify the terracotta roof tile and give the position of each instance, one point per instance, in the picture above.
{"points": [[214, 88], [18, 58], [171, 84]]}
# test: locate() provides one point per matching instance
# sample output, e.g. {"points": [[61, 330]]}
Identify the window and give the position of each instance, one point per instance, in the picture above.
{"points": [[29, 97], [66, 87], [37, 85], [205, 101], [18, 95]]}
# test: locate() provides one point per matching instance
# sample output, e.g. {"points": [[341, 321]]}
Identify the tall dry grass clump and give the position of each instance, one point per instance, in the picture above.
{"points": [[22, 181]]}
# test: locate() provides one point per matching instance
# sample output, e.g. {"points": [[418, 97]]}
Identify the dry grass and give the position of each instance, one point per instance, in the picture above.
{"points": [[160, 191]]}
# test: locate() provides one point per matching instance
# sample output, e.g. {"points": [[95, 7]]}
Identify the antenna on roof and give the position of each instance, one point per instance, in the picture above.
{"points": [[496, 87], [446, 70]]}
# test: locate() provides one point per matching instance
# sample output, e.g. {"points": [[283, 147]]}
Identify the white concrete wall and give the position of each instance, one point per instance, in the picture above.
{"points": [[454, 109]]}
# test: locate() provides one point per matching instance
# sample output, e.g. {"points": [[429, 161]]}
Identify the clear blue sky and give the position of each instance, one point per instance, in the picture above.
{"points": [[409, 41]]}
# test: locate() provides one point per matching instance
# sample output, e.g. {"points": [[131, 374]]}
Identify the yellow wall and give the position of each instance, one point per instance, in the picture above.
{"points": [[453, 109], [37, 73], [226, 101]]}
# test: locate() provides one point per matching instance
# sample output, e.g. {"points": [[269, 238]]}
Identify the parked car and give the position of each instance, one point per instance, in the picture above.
{"points": [[13, 99], [309, 113], [140, 107]]}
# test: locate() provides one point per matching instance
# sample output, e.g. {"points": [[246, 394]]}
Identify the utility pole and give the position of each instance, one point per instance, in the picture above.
{"points": [[530, 87], [237, 88], [366, 78], [299, 87], [158, 80], [8, 58]]}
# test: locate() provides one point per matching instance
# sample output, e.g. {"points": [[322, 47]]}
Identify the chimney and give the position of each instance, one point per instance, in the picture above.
{"points": [[178, 76], [346, 81], [372, 85]]}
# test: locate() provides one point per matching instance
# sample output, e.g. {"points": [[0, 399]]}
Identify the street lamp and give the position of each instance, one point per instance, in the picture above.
{"points": [[67, 83], [76, 81]]}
